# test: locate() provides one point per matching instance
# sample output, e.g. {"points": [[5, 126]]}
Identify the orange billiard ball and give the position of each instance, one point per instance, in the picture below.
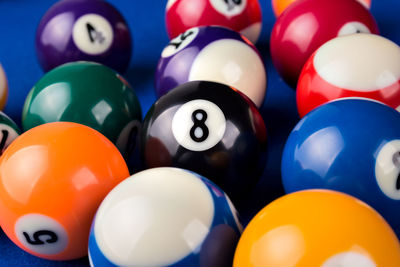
{"points": [[52, 179], [3, 88], [317, 228], [278, 6]]}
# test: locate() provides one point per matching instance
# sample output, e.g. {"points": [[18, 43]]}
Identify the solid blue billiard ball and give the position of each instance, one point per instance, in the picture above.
{"points": [[164, 217], [352, 146], [215, 54]]}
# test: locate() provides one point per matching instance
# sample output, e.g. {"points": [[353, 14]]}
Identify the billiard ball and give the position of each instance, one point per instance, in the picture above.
{"points": [[322, 21], [317, 228], [91, 30], [3, 88], [164, 217], [243, 16], [348, 145], [87, 93], [345, 67], [213, 54], [8, 131], [53, 178], [208, 128], [278, 6]]}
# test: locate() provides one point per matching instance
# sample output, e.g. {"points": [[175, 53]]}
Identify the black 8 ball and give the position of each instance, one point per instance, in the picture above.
{"points": [[208, 128]]}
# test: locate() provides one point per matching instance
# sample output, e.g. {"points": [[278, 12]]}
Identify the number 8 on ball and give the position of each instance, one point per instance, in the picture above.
{"points": [[208, 128], [198, 125]]}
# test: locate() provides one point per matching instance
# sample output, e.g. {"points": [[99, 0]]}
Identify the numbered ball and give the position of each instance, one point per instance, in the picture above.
{"points": [[90, 94], [208, 128], [91, 30], [47, 205], [278, 6], [3, 88], [9, 131], [345, 67], [322, 21], [318, 228], [243, 16], [212, 54], [164, 217], [349, 145]]}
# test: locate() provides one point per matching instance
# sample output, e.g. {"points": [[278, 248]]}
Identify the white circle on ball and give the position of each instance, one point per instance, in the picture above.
{"points": [[198, 125], [93, 34], [387, 169], [154, 218], [349, 259], [353, 27], [180, 42], [229, 8], [41, 234], [233, 63], [348, 62]]}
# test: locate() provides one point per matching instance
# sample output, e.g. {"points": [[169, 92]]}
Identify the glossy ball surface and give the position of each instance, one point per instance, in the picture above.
{"points": [[9, 131], [243, 16], [317, 228], [352, 146], [3, 88], [345, 67], [278, 6], [92, 30], [47, 205], [212, 54], [165, 217], [87, 93], [208, 128], [322, 21]]}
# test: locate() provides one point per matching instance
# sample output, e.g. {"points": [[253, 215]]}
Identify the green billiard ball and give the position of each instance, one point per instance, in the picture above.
{"points": [[87, 93], [9, 131]]}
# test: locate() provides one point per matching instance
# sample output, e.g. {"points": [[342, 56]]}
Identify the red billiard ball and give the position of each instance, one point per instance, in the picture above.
{"points": [[243, 16], [346, 67], [307, 24], [278, 6]]}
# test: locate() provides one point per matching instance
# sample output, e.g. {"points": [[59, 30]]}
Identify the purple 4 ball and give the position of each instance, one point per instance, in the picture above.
{"points": [[90, 30]]}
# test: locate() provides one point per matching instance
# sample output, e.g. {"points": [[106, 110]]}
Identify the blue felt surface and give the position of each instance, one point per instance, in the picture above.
{"points": [[18, 22]]}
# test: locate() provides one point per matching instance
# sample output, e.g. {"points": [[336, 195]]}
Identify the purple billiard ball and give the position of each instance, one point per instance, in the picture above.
{"points": [[214, 54], [90, 30]]}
